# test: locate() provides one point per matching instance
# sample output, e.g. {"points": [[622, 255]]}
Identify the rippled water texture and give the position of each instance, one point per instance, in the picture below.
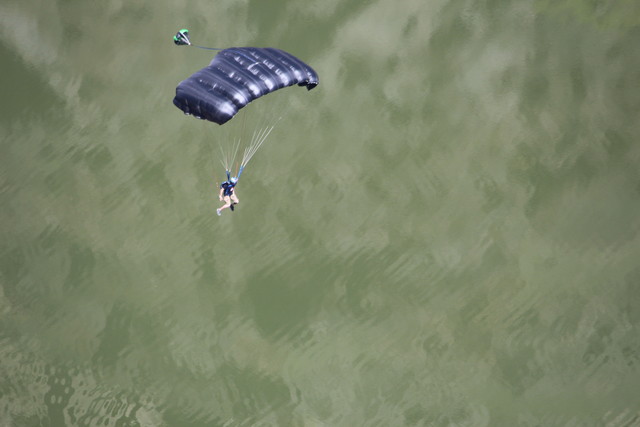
{"points": [[443, 233]]}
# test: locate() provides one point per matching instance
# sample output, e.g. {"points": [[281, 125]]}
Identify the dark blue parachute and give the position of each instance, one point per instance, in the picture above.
{"points": [[235, 77]]}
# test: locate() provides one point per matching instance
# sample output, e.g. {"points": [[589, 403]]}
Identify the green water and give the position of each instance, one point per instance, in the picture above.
{"points": [[445, 232]]}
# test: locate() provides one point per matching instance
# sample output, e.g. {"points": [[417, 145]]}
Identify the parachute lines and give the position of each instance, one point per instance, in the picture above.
{"points": [[257, 139]]}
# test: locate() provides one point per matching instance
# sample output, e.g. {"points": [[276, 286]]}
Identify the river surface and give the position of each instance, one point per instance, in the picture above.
{"points": [[445, 232]]}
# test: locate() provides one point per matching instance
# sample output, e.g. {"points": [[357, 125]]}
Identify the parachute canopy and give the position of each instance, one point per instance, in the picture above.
{"points": [[235, 77]]}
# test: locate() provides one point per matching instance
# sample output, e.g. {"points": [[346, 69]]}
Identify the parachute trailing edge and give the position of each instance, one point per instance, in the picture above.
{"points": [[237, 76]]}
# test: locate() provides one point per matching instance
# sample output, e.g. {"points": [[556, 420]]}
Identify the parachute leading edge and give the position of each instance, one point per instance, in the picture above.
{"points": [[237, 76]]}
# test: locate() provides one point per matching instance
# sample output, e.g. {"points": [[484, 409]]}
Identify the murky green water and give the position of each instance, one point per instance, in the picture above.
{"points": [[443, 233]]}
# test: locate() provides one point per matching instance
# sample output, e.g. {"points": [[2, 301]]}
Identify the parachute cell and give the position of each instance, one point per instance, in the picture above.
{"points": [[237, 76]]}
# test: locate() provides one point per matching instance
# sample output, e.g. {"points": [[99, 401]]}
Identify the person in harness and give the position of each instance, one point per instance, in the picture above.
{"points": [[228, 195]]}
